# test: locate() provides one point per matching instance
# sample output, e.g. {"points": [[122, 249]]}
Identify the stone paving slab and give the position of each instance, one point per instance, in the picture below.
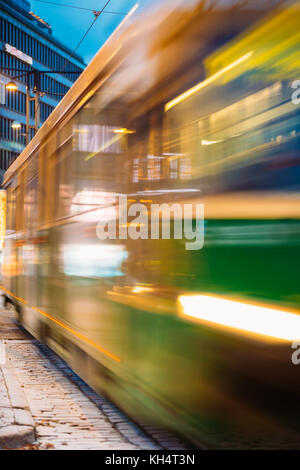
{"points": [[16, 422], [42, 397], [39, 405]]}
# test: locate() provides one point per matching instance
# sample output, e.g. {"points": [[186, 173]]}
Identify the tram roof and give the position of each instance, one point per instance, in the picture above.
{"points": [[88, 81]]}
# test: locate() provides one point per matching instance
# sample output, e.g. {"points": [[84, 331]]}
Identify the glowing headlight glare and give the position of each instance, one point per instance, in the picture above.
{"points": [[242, 316]]}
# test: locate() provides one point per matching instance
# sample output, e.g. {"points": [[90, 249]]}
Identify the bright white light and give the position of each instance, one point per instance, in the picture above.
{"points": [[141, 289], [94, 260], [250, 318], [210, 142], [11, 86], [123, 131], [16, 125]]}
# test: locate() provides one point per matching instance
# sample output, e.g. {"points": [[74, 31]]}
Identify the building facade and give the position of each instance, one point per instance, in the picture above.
{"points": [[27, 43]]}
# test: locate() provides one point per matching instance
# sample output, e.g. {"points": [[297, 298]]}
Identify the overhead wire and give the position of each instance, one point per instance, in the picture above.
{"points": [[80, 8], [96, 14]]}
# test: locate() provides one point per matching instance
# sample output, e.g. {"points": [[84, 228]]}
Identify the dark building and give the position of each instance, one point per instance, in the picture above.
{"points": [[27, 43]]}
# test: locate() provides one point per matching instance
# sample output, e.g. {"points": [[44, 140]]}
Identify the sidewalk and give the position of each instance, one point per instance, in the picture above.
{"points": [[16, 423]]}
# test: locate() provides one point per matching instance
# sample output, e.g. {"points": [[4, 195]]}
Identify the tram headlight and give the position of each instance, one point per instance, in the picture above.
{"points": [[257, 319]]}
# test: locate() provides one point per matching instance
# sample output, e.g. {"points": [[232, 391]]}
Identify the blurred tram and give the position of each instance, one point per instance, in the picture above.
{"points": [[192, 102]]}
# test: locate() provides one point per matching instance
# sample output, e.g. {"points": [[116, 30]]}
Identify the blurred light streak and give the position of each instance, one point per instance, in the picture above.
{"points": [[242, 316], [14, 296], [123, 131], [104, 147], [210, 142], [141, 289], [207, 82], [2, 217], [129, 14], [112, 356]]}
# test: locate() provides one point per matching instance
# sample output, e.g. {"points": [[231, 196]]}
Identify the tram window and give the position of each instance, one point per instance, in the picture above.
{"points": [[42, 165], [90, 158], [63, 172], [229, 130], [30, 204], [48, 207], [63, 186], [11, 209], [20, 201], [27, 202]]}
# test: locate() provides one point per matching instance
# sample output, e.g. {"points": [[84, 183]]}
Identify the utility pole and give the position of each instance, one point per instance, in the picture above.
{"points": [[37, 90], [37, 93], [27, 109]]}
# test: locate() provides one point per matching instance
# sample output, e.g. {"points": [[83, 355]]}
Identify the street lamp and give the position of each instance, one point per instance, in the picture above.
{"points": [[16, 125], [11, 86], [36, 74]]}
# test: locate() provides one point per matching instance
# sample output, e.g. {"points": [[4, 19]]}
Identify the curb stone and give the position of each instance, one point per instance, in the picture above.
{"points": [[15, 436], [16, 422]]}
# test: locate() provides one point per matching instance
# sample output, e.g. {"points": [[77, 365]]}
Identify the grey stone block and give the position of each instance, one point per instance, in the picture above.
{"points": [[23, 417], [15, 392], [16, 436]]}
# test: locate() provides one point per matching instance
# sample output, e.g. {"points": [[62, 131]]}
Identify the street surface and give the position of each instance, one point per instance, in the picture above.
{"points": [[67, 414]]}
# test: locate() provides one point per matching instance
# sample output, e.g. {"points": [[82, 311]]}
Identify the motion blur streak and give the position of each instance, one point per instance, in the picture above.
{"points": [[115, 358], [207, 82], [14, 296], [104, 147], [252, 318], [204, 336]]}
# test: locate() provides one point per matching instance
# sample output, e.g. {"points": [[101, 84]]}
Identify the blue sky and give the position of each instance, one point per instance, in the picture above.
{"points": [[69, 24]]}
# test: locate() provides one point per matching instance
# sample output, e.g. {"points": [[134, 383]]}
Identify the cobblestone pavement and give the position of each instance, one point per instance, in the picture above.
{"points": [[66, 412]]}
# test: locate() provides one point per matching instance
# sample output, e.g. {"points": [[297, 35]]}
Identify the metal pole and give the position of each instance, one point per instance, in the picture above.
{"points": [[28, 109], [36, 111], [37, 88]]}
